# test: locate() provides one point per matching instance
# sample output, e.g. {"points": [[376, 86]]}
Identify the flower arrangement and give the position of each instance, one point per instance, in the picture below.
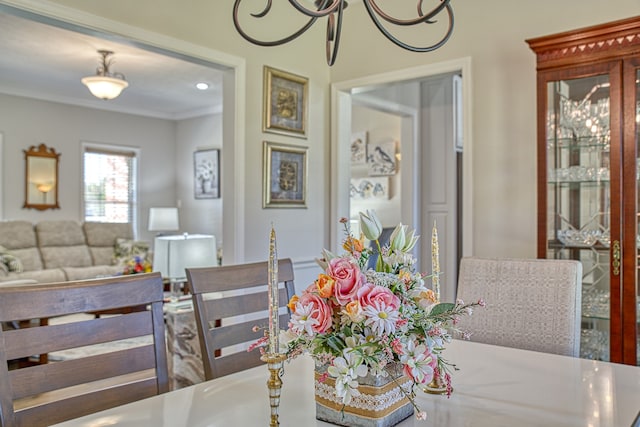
{"points": [[137, 265], [361, 321]]}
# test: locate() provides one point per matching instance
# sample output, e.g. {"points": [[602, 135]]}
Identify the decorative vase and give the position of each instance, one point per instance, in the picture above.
{"points": [[381, 403]]}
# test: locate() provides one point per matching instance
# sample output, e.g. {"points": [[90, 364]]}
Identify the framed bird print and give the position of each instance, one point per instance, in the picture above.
{"points": [[359, 148], [381, 158]]}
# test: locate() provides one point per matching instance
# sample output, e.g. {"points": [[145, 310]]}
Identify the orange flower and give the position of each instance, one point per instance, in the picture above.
{"points": [[325, 285], [352, 245], [292, 303], [429, 296], [354, 311]]}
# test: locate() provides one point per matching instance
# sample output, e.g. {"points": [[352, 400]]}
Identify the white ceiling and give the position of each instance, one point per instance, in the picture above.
{"points": [[47, 62]]}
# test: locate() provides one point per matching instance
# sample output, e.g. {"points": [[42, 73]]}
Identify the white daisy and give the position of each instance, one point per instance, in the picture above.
{"points": [[301, 320], [380, 318]]}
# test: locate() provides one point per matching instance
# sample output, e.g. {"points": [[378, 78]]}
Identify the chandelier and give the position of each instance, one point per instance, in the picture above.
{"points": [[333, 10], [105, 84]]}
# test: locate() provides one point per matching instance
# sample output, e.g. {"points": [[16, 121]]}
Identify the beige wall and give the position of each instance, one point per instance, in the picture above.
{"points": [[26, 122]]}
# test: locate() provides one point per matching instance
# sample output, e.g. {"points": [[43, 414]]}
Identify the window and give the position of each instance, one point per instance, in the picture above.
{"points": [[110, 184]]}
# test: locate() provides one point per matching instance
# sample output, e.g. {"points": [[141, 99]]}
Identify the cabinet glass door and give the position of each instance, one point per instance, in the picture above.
{"points": [[579, 196]]}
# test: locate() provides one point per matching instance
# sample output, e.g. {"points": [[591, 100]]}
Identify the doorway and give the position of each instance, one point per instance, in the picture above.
{"points": [[425, 170], [232, 94]]}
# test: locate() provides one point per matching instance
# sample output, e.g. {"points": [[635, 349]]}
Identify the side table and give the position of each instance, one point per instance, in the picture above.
{"points": [[184, 358]]}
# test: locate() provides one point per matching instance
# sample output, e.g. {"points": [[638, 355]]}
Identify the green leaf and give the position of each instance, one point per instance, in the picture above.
{"points": [[336, 343], [443, 307]]}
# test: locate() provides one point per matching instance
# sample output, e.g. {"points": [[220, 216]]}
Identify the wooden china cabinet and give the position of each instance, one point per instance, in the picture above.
{"points": [[588, 109]]}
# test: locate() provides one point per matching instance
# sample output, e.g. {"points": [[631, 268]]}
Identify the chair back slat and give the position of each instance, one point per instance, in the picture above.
{"points": [[78, 405], [38, 340], [238, 333], [240, 304], [91, 378], [215, 330], [52, 376], [226, 365], [45, 300]]}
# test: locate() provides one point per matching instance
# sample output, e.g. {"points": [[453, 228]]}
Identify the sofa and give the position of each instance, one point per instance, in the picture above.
{"points": [[61, 250]]}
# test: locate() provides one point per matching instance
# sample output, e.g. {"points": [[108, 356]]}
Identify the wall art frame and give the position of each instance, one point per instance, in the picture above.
{"points": [[285, 176], [359, 148], [381, 158], [206, 173], [285, 101]]}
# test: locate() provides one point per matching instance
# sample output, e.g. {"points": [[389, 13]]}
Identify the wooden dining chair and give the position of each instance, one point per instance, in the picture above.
{"points": [[533, 304], [222, 293], [44, 394]]}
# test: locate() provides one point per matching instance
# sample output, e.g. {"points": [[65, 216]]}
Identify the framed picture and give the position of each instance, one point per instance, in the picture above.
{"points": [[206, 174], [381, 158], [369, 188], [285, 103], [359, 148], [285, 176]]}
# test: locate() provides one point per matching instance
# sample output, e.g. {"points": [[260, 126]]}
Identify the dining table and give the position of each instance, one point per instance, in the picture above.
{"points": [[493, 386]]}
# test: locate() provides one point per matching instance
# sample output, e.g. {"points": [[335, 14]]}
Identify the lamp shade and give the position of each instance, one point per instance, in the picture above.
{"points": [[163, 219], [172, 254], [104, 87]]}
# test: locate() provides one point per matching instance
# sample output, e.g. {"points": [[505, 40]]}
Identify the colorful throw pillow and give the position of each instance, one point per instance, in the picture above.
{"points": [[10, 261], [127, 250]]}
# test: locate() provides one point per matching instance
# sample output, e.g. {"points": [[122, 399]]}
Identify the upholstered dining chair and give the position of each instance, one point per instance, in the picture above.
{"points": [[224, 298], [89, 381], [533, 304]]}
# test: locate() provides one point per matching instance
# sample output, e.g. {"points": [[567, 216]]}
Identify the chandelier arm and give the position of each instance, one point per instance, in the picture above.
{"points": [[334, 32], [278, 42], [423, 18], [264, 12], [409, 47], [323, 10]]}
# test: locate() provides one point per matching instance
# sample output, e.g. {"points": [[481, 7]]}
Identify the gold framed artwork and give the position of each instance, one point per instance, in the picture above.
{"points": [[285, 176], [285, 103]]}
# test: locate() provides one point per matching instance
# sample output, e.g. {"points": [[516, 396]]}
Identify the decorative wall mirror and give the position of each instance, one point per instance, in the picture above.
{"points": [[41, 186]]}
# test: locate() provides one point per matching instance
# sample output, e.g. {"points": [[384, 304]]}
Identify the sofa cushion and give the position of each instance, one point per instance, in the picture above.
{"points": [[10, 261], [30, 258], [19, 237], [101, 238], [62, 244], [41, 276], [82, 273], [59, 233], [106, 233]]}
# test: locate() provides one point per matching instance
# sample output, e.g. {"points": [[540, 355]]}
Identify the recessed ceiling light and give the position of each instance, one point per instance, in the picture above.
{"points": [[202, 86]]}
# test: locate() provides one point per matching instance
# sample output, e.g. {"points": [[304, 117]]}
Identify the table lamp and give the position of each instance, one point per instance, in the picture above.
{"points": [[163, 219], [172, 254]]}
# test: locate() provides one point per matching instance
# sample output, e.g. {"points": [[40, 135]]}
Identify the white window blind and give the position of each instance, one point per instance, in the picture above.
{"points": [[109, 185]]}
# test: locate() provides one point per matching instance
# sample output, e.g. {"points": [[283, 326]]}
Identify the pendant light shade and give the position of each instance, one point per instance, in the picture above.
{"points": [[105, 84]]}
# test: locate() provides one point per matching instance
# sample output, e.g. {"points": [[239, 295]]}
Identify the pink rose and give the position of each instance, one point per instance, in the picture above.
{"points": [[348, 279], [318, 310], [369, 294]]}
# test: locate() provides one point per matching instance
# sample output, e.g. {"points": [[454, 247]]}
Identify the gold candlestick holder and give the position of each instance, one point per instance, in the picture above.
{"points": [[436, 386], [274, 383]]}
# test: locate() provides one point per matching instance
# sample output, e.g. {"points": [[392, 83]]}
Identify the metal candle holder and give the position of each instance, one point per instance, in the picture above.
{"points": [[274, 383], [436, 386]]}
